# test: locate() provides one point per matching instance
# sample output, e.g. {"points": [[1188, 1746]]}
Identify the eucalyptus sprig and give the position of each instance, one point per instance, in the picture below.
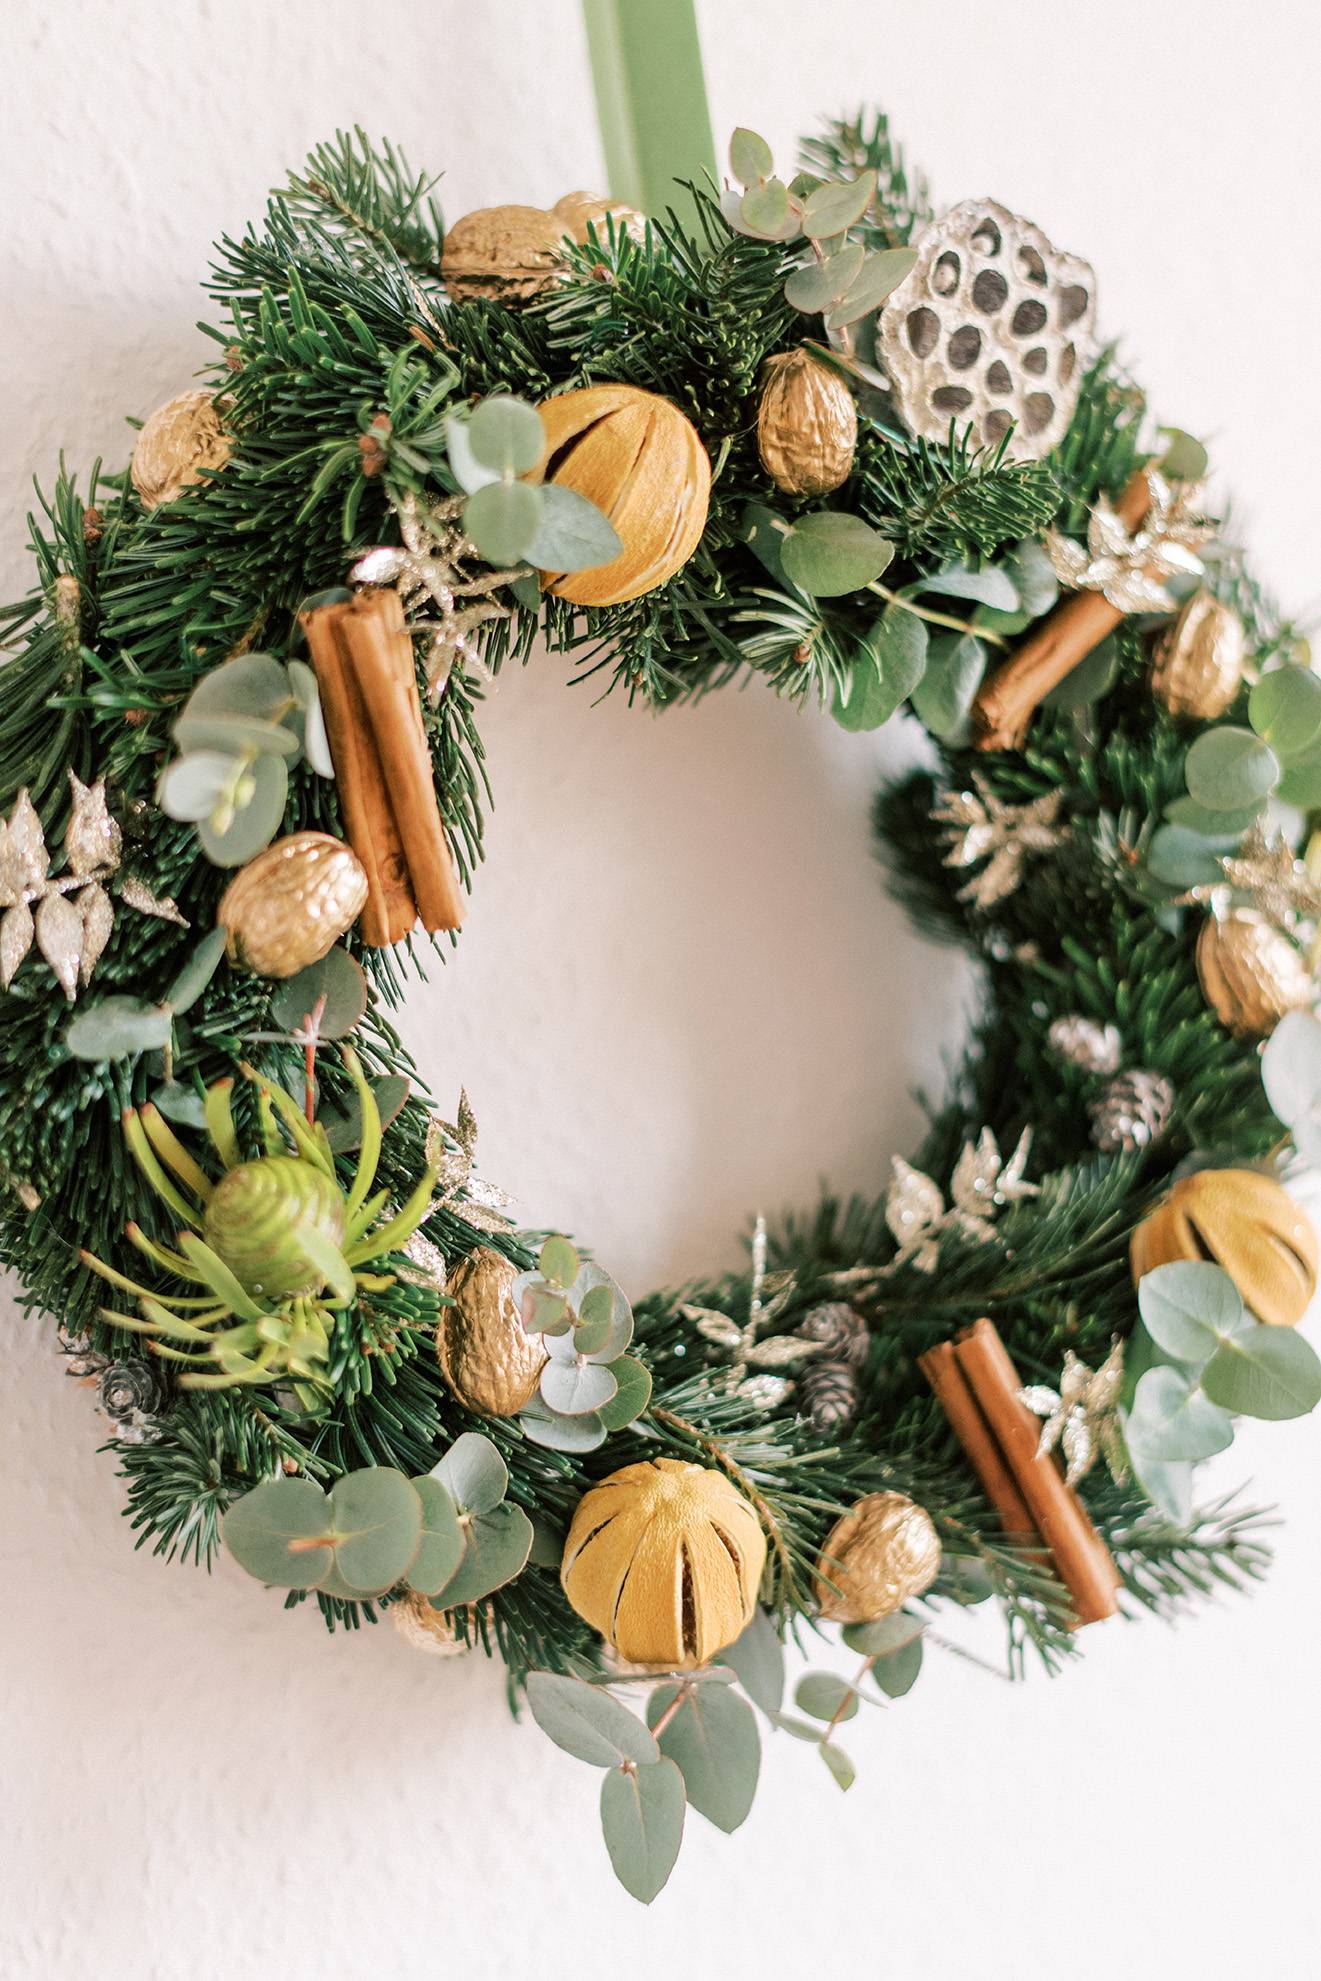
{"points": [[511, 519]]}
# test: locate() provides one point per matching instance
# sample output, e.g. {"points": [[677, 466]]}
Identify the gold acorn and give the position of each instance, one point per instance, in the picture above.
{"points": [[1199, 661], [884, 1551], [1249, 1225], [1251, 973], [288, 907], [640, 461], [578, 211], [807, 424], [182, 443], [425, 1628], [664, 1560], [487, 1356], [502, 254]]}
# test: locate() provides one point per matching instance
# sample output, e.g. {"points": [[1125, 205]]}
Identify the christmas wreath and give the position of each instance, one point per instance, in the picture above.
{"points": [[879, 459]]}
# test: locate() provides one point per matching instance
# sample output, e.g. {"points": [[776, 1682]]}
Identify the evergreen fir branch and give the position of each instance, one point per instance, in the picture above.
{"points": [[944, 503], [370, 190], [851, 145]]}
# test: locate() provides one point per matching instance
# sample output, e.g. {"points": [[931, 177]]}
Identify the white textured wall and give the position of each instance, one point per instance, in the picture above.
{"points": [[195, 1785]]}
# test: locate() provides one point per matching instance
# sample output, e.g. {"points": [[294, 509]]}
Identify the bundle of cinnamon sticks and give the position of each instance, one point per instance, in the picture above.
{"points": [[362, 654], [978, 1387]]}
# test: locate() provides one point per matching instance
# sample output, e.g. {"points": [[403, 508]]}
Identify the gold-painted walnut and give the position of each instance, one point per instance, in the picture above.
{"points": [[182, 443], [576, 212], [882, 1553], [502, 254], [288, 907], [1199, 661], [807, 424], [664, 1559], [1251, 973], [641, 462], [425, 1627], [487, 1356], [1249, 1225]]}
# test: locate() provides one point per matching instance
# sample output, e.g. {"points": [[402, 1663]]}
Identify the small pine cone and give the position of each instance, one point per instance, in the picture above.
{"points": [[828, 1394], [840, 1329], [1132, 1113], [131, 1392]]}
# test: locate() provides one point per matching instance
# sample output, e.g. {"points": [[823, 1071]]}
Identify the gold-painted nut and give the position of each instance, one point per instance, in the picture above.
{"points": [[576, 212], [1251, 973], [502, 254], [487, 1356], [289, 906], [807, 424], [182, 443], [877, 1557], [1199, 660]]}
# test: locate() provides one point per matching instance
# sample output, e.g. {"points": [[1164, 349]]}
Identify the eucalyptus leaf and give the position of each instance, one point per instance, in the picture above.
{"points": [[823, 1695], [197, 972], [503, 519], [1229, 769], [944, 695], [118, 1028], [1301, 785], [554, 1433], [259, 1528], [473, 1473], [344, 1131], [642, 1812], [714, 1743], [829, 552], [885, 1636], [253, 684], [1183, 859], [632, 1393], [255, 824], [890, 663], [235, 735], [880, 277], [1171, 1419], [757, 1659], [1291, 1066], [1223, 830], [764, 531], [1185, 459], [764, 210], [839, 1764], [442, 1544], [376, 1517], [897, 1672], [1093, 677], [506, 435], [182, 1105], [1033, 577], [316, 743], [1284, 708], [575, 1388], [1169, 1486], [468, 470], [836, 206], [989, 587], [1264, 1371], [750, 157], [1188, 1307], [340, 979], [192, 786], [573, 534], [497, 1545], [588, 1722], [817, 284], [559, 1261]]}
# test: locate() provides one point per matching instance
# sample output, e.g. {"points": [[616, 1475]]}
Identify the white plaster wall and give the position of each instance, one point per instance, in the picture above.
{"points": [[195, 1785]]}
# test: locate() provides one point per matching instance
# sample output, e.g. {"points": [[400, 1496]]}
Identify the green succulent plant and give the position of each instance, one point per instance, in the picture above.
{"points": [[274, 1247]]}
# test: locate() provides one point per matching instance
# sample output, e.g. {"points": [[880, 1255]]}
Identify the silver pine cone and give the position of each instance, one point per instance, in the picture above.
{"points": [[1132, 1113], [1083, 1043], [828, 1386]]}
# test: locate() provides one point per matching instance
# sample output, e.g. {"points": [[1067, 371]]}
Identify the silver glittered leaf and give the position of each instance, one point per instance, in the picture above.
{"points": [[136, 894], [97, 911], [781, 1351], [427, 1263], [92, 839], [714, 1326], [913, 1202], [976, 1174], [16, 932], [59, 930], [24, 860]]}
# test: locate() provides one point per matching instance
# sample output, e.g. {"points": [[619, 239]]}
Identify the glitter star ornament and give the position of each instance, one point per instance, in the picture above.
{"points": [[1279, 885], [1131, 569], [429, 564], [985, 828], [1082, 1415]]}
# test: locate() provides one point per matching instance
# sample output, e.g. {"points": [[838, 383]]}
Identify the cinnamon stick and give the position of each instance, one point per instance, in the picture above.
{"points": [[1008, 698], [1082, 1560], [363, 658], [942, 1370]]}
